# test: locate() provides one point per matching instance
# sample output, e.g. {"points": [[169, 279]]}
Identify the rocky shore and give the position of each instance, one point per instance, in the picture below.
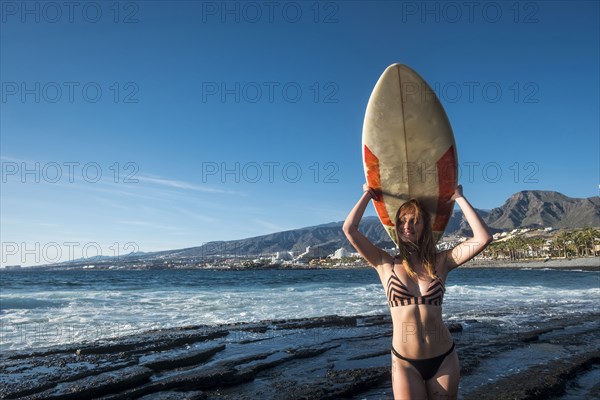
{"points": [[583, 263], [586, 263], [317, 358]]}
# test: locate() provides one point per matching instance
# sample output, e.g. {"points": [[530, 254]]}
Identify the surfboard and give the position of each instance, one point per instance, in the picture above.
{"points": [[409, 149]]}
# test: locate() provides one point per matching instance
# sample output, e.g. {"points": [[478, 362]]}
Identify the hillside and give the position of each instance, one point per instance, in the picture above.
{"points": [[527, 209]]}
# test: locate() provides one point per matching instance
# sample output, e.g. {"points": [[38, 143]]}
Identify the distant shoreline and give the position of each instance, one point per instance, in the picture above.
{"points": [[587, 263], [583, 263]]}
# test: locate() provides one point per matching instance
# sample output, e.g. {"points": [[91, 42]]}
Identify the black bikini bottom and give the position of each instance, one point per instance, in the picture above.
{"points": [[427, 367]]}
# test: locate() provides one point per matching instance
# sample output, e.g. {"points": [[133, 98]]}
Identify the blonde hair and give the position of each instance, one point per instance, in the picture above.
{"points": [[425, 245]]}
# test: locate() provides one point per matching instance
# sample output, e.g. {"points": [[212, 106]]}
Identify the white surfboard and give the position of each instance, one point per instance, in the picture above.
{"points": [[408, 148]]}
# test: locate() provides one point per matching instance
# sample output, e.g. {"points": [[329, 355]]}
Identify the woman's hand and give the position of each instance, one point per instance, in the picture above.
{"points": [[458, 192], [361, 243], [371, 191]]}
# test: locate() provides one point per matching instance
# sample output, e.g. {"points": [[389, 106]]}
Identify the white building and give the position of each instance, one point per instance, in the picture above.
{"points": [[340, 253], [311, 252], [282, 256]]}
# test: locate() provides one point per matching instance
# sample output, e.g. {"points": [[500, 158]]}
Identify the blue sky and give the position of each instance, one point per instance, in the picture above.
{"points": [[160, 125]]}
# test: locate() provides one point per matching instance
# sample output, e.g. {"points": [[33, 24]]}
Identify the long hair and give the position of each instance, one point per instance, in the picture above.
{"points": [[425, 246]]}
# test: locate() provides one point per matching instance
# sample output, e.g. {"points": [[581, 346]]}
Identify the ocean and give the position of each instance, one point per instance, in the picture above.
{"points": [[47, 308]]}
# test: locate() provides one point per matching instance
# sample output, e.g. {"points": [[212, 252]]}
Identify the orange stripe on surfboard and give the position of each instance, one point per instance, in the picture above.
{"points": [[374, 181], [446, 171]]}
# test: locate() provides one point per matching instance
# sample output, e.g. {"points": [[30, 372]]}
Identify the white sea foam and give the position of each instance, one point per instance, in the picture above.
{"points": [[37, 318], [101, 315]]}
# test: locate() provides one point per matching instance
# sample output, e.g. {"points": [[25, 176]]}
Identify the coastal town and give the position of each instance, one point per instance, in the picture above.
{"points": [[516, 245]]}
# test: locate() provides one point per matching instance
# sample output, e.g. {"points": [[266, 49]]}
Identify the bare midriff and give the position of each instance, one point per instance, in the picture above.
{"points": [[419, 332]]}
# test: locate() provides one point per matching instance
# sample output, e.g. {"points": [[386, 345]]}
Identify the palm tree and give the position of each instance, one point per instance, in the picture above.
{"points": [[496, 250], [536, 244], [589, 237], [516, 245], [560, 241]]}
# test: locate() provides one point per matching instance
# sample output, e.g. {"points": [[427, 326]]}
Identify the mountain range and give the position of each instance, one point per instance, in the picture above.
{"points": [[526, 209]]}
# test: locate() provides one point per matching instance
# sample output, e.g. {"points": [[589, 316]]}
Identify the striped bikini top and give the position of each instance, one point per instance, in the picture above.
{"points": [[399, 295]]}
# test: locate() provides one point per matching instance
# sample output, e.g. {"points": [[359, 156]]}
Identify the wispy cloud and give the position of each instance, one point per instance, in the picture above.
{"points": [[268, 225], [184, 185], [194, 215], [32, 224], [146, 224], [12, 159], [327, 214], [68, 179]]}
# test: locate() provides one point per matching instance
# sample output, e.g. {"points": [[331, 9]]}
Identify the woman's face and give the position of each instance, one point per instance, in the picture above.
{"points": [[410, 228]]}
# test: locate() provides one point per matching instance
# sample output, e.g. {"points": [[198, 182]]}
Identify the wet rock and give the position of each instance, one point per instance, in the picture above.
{"points": [[342, 384], [210, 378], [309, 352], [98, 385], [319, 322], [370, 355], [169, 395], [534, 335], [594, 392], [317, 358], [537, 383], [155, 342], [170, 362]]}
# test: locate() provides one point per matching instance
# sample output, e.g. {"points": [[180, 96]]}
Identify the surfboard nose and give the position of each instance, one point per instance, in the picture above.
{"points": [[398, 65]]}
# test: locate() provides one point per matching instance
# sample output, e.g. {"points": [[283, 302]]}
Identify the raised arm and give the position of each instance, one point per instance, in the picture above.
{"points": [[472, 246], [368, 250]]}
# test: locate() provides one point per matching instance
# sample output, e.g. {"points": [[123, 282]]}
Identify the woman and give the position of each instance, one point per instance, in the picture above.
{"points": [[424, 362]]}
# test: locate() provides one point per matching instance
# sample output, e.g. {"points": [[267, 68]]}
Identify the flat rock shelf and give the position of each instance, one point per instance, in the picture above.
{"points": [[329, 357]]}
